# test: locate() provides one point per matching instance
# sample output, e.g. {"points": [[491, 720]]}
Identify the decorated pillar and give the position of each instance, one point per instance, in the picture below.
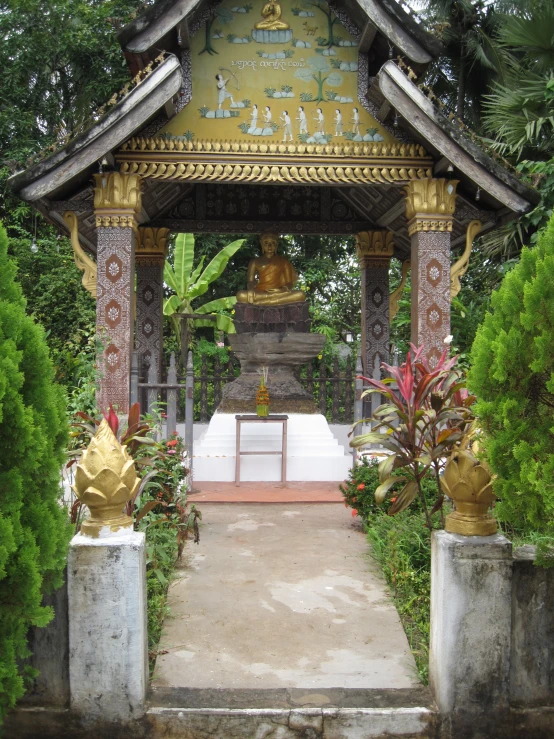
{"points": [[150, 259], [430, 205], [374, 250], [117, 202]]}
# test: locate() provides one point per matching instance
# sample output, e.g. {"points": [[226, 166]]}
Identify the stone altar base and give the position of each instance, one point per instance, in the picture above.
{"points": [[313, 452], [269, 318], [280, 352]]}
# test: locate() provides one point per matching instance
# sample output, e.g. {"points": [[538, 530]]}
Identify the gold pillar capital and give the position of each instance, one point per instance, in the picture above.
{"points": [[151, 246], [430, 204], [117, 199], [374, 248]]}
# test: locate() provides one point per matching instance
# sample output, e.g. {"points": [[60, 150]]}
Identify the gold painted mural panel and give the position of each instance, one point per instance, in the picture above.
{"points": [[275, 72]]}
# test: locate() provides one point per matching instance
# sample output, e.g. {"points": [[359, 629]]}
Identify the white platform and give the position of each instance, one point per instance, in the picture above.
{"points": [[313, 452]]}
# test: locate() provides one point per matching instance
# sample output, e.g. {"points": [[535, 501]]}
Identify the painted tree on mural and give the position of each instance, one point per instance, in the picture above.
{"points": [[316, 71], [220, 15], [331, 20]]}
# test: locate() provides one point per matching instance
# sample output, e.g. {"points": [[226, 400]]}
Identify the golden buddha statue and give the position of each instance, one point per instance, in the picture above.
{"points": [[271, 13], [271, 277]]}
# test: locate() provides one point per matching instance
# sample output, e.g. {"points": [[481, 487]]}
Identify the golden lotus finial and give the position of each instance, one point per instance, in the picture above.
{"points": [[105, 481], [467, 481]]}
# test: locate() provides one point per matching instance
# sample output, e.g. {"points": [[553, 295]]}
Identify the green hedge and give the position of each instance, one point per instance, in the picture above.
{"points": [[512, 374], [34, 530]]}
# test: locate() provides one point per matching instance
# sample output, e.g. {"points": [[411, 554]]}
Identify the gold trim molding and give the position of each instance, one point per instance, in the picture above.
{"points": [[161, 143], [374, 248], [430, 205], [151, 245], [117, 199], [223, 161], [438, 223]]}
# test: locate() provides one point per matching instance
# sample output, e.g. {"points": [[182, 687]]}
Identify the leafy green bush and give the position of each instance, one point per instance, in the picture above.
{"points": [[163, 514], [512, 375], [34, 530]]}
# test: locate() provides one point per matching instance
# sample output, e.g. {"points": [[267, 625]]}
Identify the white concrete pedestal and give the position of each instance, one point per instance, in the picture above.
{"points": [[108, 645], [471, 600], [313, 452]]}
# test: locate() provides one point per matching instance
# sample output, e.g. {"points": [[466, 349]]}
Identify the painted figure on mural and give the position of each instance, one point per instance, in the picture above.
{"points": [[338, 123], [254, 121], [222, 94], [267, 114], [287, 126], [320, 120], [271, 277], [271, 13], [302, 120], [355, 122]]}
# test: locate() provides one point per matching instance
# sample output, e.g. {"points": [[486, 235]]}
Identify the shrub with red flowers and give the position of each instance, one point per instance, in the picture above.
{"points": [[358, 490]]}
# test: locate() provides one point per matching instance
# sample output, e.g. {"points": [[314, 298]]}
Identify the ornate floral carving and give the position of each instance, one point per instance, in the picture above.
{"points": [[114, 314], [374, 245], [430, 204], [148, 335], [151, 245], [431, 292], [117, 199]]}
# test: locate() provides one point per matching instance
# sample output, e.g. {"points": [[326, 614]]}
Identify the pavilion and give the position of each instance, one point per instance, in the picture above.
{"points": [[177, 150]]}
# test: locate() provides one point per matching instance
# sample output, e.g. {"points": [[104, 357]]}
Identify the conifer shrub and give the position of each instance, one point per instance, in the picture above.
{"points": [[512, 374], [34, 530]]}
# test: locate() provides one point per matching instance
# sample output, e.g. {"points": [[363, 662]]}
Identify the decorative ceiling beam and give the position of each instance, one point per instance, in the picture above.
{"points": [[367, 38], [331, 164]]}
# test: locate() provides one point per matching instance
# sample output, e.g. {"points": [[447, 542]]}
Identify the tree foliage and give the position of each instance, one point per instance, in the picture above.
{"points": [[512, 374], [33, 526]]}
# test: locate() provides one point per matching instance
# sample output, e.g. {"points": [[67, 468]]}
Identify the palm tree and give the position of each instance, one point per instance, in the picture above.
{"points": [[519, 113], [471, 58]]}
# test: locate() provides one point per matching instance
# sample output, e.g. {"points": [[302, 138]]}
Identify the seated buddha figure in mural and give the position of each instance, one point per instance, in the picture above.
{"points": [[271, 13], [271, 277]]}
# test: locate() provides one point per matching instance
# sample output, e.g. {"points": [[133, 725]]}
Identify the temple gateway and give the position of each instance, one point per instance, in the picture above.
{"points": [[301, 117]]}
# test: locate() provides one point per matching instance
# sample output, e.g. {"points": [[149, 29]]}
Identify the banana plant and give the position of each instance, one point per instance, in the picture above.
{"points": [[188, 283]]}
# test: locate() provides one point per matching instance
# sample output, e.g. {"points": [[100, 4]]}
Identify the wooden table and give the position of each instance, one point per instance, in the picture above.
{"points": [[259, 419]]}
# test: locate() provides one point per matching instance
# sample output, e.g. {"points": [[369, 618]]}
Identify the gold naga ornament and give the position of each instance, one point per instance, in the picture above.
{"points": [[86, 264], [460, 267], [467, 481], [105, 480]]}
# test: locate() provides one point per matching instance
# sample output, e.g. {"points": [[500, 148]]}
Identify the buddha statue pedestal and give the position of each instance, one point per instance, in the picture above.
{"points": [[264, 36], [313, 452]]}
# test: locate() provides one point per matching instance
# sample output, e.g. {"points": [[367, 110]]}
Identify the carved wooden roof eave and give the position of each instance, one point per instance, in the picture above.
{"points": [[400, 30], [500, 189], [67, 169]]}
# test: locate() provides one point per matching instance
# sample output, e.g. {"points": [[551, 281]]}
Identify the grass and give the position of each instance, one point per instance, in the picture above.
{"points": [[401, 545]]}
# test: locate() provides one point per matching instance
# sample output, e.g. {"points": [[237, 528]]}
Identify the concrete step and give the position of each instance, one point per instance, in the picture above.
{"points": [[177, 713], [194, 713]]}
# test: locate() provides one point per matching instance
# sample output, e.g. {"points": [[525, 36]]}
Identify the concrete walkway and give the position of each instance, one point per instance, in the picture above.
{"points": [[279, 596]]}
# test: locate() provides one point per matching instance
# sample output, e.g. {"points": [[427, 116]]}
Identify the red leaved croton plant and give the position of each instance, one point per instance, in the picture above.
{"points": [[426, 414]]}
